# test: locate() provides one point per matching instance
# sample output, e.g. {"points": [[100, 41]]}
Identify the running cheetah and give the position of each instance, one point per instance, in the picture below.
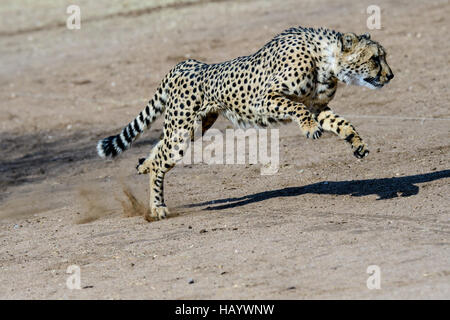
{"points": [[292, 77]]}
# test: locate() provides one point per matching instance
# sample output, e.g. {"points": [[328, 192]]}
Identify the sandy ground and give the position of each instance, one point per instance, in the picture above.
{"points": [[310, 231]]}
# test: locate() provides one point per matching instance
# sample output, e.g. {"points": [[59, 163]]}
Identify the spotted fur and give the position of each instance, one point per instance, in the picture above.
{"points": [[293, 77]]}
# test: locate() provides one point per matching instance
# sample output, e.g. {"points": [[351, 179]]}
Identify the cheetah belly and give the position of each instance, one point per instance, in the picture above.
{"points": [[256, 120]]}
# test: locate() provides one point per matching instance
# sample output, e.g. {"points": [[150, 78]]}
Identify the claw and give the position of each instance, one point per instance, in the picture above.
{"points": [[318, 134], [359, 154]]}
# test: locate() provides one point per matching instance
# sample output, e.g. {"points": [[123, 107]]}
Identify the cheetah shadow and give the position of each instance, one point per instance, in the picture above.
{"points": [[385, 188]]}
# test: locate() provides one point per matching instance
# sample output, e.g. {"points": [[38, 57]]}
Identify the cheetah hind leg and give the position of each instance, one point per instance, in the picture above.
{"points": [[157, 209], [163, 158]]}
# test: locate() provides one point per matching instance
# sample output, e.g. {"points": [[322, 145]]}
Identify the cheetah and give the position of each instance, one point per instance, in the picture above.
{"points": [[291, 78]]}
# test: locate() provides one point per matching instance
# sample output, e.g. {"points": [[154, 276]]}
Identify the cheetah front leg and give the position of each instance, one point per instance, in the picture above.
{"points": [[279, 106], [344, 129]]}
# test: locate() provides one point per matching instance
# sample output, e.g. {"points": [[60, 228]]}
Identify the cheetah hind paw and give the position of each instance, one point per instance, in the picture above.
{"points": [[157, 213], [142, 168]]}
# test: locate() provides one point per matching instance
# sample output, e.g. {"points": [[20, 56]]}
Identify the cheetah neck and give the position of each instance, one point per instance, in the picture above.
{"points": [[328, 50]]}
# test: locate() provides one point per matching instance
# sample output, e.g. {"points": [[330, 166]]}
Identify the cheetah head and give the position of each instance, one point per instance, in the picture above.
{"points": [[362, 62]]}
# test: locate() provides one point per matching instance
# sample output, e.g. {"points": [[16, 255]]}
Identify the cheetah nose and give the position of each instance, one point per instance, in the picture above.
{"points": [[390, 76]]}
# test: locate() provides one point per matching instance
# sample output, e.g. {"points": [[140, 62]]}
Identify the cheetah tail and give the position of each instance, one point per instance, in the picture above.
{"points": [[114, 145]]}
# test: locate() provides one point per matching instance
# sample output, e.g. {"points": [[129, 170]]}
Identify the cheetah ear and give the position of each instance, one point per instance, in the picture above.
{"points": [[348, 41], [365, 36]]}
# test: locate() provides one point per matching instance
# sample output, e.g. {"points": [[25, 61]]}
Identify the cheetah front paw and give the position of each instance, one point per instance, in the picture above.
{"points": [[143, 167], [157, 213], [361, 150], [311, 129]]}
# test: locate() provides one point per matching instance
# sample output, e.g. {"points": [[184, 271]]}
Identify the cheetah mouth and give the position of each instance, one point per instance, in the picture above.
{"points": [[374, 82]]}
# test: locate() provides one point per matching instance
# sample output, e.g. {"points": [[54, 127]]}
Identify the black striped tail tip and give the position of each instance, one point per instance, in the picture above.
{"points": [[109, 147]]}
